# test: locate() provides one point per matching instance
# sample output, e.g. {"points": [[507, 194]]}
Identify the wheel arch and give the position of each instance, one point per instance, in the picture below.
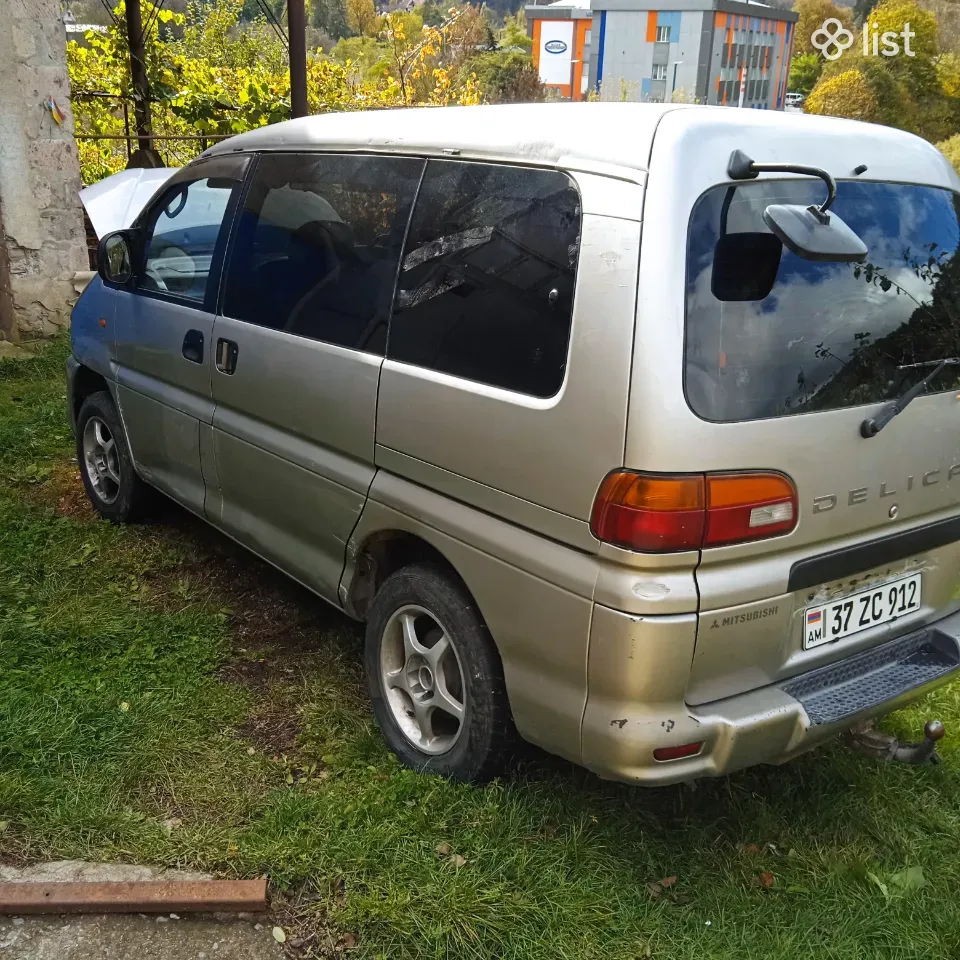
{"points": [[380, 554], [84, 383]]}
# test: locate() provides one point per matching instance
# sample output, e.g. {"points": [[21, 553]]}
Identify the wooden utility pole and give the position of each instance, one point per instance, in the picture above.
{"points": [[144, 155], [297, 32]]}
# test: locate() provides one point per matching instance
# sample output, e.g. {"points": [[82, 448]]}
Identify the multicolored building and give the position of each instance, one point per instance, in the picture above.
{"points": [[726, 52]]}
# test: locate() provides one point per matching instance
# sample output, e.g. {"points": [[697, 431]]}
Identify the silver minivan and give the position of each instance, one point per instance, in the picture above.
{"points": [[598, 415]]}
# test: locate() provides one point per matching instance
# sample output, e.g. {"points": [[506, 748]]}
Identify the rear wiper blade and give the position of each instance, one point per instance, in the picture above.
{"points": [[872, 426]]}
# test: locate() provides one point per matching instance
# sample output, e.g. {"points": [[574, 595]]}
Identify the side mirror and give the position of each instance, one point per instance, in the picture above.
{"points": [[814, 234], [809, 232], [115, 258]]}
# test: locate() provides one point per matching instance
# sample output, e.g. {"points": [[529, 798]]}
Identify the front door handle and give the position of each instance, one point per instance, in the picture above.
{"points": [[227, 352], [193, 346]]}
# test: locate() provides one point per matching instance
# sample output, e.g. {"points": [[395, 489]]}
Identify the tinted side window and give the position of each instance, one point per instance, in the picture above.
{"points": [[181, 237], [317, 246], [486, 288]]}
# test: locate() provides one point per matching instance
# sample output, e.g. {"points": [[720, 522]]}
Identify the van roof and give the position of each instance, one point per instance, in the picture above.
{"points": [[614, 138]]}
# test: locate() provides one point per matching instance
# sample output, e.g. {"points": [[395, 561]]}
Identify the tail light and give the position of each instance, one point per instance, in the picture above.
{"points": [[656, 513]]}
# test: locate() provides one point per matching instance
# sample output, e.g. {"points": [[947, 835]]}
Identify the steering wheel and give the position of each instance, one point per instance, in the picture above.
{"points": [[157, 280]]}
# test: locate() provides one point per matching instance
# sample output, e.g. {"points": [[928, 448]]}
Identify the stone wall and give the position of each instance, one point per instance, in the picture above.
{"points": [[43, 243]]}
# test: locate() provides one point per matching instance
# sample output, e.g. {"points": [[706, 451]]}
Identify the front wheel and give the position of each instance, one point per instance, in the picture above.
{"points": [[435, 677], [106, 467]]}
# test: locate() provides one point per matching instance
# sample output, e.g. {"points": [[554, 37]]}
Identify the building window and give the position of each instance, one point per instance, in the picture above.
{"points": [[659, 71], [725, 56], [663, 34]]}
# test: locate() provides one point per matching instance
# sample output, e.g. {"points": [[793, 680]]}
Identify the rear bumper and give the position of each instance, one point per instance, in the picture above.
{"points": [[767, 725]]}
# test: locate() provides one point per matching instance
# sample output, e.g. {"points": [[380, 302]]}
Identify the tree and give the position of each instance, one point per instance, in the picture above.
{"points": [[506, 76], [812, 15], [330, 16], [947, 14], [805, 69], [224, 76], [514, 34], [917, 93], [861, 10], [847, 94], [362, 17], [951, 150]]}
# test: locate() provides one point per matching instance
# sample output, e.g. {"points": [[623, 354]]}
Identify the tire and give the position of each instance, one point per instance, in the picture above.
{"points": [[425, 604], [106, 467]]}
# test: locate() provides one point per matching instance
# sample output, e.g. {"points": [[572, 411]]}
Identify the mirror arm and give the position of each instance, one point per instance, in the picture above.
{"points": [[741, 167]]}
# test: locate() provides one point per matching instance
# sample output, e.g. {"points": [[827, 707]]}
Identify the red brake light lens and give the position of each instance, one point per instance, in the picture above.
{"points": [[655, 513], [652, 514]]}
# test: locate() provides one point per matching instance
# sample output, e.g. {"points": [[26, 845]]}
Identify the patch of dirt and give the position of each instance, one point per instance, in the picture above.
{"points": [[63, 491], [278, 629], [276, 626]]}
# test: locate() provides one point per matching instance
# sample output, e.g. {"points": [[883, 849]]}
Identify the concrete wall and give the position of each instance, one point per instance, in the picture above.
{"points": [[43, 242]]}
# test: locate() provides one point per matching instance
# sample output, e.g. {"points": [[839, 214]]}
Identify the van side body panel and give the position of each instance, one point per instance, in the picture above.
{"points": [[552, 452]]}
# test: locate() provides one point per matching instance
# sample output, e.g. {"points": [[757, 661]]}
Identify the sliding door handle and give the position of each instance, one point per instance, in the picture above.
{"points": [[193, 346], [227, 352]]}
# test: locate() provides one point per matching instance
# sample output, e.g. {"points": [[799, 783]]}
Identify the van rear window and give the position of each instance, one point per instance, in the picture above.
{"points": [[827, 335]]}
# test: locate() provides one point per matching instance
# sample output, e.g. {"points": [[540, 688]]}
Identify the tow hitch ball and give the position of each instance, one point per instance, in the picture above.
{"points": [[867, 739]]}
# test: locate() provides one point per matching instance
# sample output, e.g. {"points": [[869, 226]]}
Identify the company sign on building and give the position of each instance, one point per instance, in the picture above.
{"points": [[726, 52]]}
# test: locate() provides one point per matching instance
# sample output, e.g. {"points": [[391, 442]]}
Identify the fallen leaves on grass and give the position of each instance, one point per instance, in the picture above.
{"points": [[445, 852], [900, 883], [668, 882], [752, 850], [767, 879], [279, 935]]}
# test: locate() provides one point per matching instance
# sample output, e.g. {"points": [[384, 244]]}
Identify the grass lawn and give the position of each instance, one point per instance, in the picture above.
{"points": [[165, 697]]}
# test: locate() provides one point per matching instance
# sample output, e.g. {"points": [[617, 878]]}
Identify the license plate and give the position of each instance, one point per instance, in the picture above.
{"points": [[859, 611]]}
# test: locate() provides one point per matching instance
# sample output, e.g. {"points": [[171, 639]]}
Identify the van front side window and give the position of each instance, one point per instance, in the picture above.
{"points": [[183, 236], [317, 246], [826, 335]]}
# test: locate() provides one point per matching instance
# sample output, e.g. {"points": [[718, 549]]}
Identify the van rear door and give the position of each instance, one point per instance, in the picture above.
{"points": [[828, 347], [782, 381]]}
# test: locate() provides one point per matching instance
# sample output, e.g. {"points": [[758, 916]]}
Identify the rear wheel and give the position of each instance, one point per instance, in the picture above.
{"points": [[435, 677], [106, 467]]}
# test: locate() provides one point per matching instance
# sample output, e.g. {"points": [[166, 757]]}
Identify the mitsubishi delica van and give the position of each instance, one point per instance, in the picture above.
{"points": [[630, 430]]}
